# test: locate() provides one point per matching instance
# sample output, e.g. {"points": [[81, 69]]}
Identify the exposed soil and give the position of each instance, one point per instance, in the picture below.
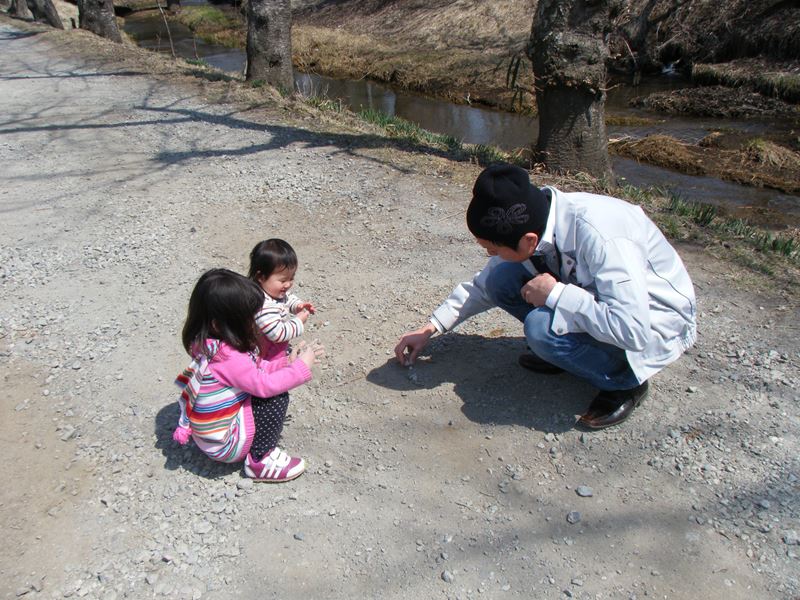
{"points": [[127, 175]]}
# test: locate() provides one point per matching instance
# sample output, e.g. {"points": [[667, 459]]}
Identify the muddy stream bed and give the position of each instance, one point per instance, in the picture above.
{"points": [[509, 131]]}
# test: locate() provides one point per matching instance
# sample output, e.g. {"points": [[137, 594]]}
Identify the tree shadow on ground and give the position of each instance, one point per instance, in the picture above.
{"points": [[16, 35], [277, 136], [188, 457], [494, 389]]}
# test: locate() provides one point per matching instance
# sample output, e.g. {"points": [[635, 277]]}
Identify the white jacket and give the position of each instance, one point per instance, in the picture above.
{"points": [[623, 283]]}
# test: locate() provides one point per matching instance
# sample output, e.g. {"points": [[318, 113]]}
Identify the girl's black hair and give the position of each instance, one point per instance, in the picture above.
{"points": [[270, 256], [223, 306]]}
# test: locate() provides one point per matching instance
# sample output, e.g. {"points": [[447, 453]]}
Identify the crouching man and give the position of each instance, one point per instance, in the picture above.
{"points": [[600, 292]]}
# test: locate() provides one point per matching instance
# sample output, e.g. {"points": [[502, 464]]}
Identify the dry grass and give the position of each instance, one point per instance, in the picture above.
{"points": [[474, 25], [456, 74], [660, 150], [754, 161], [458, 51], [717, 101], [764, 152], [776, 80]]}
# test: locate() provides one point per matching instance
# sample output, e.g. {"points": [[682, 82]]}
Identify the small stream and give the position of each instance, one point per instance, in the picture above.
{"points": [[479, 125]]}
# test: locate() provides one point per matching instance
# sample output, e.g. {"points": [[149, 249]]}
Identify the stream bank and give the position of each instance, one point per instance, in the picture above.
{"points": [[725, 179]]}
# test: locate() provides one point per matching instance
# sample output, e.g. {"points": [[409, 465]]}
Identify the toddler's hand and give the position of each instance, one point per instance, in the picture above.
{"points": [[307, 306], [311, 353], [295, 350], [303, 314]]}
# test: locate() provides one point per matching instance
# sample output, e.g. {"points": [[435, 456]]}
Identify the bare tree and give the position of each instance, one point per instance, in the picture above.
{"points": [[44, 10], [20, 9], [269, 43], [98, 17], [569, 48]]}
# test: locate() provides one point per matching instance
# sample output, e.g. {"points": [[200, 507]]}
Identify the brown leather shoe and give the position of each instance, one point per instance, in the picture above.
{"points": [[611, 408], [537, 365]]}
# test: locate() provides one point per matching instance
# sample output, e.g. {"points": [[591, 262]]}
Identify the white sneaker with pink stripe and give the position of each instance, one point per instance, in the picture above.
{"points": [[275, 467]]}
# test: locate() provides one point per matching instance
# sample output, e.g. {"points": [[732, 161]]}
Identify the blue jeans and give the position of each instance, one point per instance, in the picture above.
{"points": [[603, 365]]}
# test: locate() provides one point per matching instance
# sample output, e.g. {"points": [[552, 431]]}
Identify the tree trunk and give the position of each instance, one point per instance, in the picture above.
{"points": [[44, 10], [98, 17], [19, 8], [269, 43], [568, 49]]}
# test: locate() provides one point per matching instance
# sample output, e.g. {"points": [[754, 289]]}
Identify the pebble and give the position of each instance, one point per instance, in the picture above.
{"points": [[573, 517], [584, 491], [67, 433], [203, 527], [299, 537], [447, 577]]}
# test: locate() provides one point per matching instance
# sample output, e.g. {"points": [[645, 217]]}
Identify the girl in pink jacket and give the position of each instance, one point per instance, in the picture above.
{"points": [[233, 403]]}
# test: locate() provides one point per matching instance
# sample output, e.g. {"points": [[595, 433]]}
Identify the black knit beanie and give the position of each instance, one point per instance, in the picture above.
{"points": [[505, 206]]}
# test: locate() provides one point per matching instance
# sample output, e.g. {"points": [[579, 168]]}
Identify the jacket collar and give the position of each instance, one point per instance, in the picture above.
{"points": [[560, 227], [546, 243]]}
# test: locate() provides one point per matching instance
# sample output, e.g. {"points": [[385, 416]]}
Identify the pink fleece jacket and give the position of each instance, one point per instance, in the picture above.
{"points": [[216, 397]]}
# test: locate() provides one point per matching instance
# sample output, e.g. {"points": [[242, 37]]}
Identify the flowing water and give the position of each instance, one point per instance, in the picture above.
{"points": [[479, 125]]}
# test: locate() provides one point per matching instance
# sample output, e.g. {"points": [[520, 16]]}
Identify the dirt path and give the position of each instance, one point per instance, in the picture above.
{"points": [[452, 480]]}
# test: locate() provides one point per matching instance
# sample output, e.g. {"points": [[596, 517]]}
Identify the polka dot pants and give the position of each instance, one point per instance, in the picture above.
{"points": [[268, 415]]}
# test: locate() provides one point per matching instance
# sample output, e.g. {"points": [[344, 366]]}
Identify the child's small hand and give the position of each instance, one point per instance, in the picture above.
{"points": [[295, 350], [311, 353], [303, 315], [306, 306]]}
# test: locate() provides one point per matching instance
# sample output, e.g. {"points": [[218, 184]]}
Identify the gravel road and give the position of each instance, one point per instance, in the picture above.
{"points": [[462, 477]]}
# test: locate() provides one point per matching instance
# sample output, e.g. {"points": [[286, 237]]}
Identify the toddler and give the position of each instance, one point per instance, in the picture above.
{"points": [[232, 403], [273, 264]]}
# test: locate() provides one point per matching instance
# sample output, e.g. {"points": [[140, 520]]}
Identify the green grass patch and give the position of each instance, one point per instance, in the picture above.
{"points": [[701, 214], [213, 25], [629, 121], [747, 245], [197, 62], [317, 97], [327, 104], [398, 127], [204, 19], [706, 216]]}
